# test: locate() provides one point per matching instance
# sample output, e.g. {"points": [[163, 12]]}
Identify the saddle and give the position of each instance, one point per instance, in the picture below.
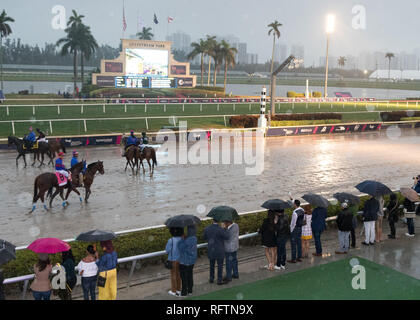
{"points": [[33, 147]]}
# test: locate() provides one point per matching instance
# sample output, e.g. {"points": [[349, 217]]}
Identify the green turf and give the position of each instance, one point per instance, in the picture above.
{"points": [[331, 281]]}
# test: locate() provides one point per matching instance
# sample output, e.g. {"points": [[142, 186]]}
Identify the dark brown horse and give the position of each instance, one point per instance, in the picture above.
{"points": [[89, 176], [42, 149], [46, 182], [148, 153], [55, 146], [130, 155]]}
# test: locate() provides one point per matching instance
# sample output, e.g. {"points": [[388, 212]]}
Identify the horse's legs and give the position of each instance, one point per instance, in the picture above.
{"points": [[87, 193], [150, 167], [57, 190], [35, 156], [42, 199]]}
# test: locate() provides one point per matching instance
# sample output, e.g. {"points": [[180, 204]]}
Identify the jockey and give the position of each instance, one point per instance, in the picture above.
{"points": [[75, 161], [41, 137], [143, 141], [131, 141], [59, 166], [30, 139]]}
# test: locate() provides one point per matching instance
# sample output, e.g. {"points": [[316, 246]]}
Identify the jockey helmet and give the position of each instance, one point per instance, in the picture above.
{"points": [[61, 154], [132, 132], [30, 128], [75, 153]]}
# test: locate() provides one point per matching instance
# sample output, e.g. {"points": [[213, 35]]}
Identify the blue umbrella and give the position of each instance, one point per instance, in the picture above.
{"points": [[373, 188], [276, 205]]}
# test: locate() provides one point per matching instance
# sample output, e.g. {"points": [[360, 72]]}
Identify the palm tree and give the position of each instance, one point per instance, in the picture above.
{"points": [[75, 19], [228, 54], [88, 47], [199, 48], [145, 34], [217, 54], [274, 28], [210, 43], [342, 61], [389, 56], [5, 30]]}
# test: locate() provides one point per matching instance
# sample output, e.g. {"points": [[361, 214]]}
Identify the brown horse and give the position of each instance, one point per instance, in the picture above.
{"points": [[89, 175], [148, 153], [55, 146], [21, 149], [130, 155], [46, 182]]}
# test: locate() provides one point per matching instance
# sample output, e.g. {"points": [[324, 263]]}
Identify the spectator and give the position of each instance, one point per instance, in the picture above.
{"points": [[416, 185], [409, 214], [71, 279], [392, 209], [41, 286], [318, 225], [296, 232], [231, 248], [378, 224], [173, 256], [268, 238], [187, 247], [2, 297], [306, 233], [370, 214], [344, 225], [88, 270], [107, 268], [282, 235], [354, 210], [215, 236]]}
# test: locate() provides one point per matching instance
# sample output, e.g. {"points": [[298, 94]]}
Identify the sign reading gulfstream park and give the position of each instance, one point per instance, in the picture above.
{"points": [[144, 64]]}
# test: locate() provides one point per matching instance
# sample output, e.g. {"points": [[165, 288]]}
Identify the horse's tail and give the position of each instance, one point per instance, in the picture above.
{"points": [[35, 189], [154, 157], [63, 145]]}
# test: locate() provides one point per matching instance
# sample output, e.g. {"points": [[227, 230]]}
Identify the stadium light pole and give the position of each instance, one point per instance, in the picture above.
{"points": [[329, 30]]}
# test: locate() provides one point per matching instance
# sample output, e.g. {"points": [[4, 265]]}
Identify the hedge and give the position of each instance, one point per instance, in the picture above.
{"points": [[251, 121], [398, 115], [151, 240]]}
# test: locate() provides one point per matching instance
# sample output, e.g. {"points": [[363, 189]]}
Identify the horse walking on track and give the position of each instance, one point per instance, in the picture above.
{"points": [[89, 176], [55, 146], [148, 153], [43, 148], [130, 155], [46, 182]]}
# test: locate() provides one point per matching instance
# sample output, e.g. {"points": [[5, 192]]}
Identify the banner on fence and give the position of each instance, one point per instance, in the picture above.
{"points": [[327, 129]]}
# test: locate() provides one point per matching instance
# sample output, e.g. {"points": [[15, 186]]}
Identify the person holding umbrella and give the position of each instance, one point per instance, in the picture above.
{"points": [[344, 225], [187, 247], [296, 232], [411, 197], [71, 279], [268, 238], [370, 215], [318, 225], [282, 235], [231, 248], [41, 286]]}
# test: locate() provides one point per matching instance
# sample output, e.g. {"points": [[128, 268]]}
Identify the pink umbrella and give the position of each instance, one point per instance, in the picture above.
{"points": [[49, 245]]}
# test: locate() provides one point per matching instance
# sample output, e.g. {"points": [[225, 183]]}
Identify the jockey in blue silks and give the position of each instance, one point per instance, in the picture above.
{"points": [[75, 161], [30, 139], [131, 141]]}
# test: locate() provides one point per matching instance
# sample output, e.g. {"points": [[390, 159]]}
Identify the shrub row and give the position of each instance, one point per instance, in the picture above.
{"points": [[398, 115], [293, 94], [152, 240], [251, 121]]}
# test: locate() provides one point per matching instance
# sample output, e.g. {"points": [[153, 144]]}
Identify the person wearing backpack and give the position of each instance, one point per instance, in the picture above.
{"points": [[282, 235], [296, 232], [344, 225]]}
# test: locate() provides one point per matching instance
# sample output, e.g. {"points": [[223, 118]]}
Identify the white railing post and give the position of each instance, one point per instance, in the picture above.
{"points": [[218, 105], [293, 105], [319, 104], [81, 109], [33, 110], [249, 107], [25, 289], [174, 120], [50, 127], [183, 107], [201, 107], [7, 109], [125, 107], [233, 107], [397, 104], [164, 108], [133, 266], [84, 123], [224, 117], [13, 127], [103, 108], [58, 109], [147, 124], [145, 107]]}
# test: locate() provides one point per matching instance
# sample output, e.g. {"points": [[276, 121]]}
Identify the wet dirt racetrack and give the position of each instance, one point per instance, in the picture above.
{"points": [[121, 200]]}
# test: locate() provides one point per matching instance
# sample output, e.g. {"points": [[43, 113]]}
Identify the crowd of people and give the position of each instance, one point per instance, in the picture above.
{"points": [[90, 268]]}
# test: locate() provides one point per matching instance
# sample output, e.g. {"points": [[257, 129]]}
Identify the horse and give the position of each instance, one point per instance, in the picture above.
{"points": [[55, 146], [130, 154], [42, 149], [147, 153], [90, 173], [46, 182]]}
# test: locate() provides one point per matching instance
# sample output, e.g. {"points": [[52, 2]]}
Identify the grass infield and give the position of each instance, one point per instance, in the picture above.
{"points": [[331, 281]]}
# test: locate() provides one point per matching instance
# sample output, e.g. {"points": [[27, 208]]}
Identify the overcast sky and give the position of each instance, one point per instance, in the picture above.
{"points": [[390, 25]]}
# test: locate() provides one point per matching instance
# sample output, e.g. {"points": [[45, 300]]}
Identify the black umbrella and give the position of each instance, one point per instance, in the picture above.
{"points": [[276, 205], [96, 235], [373, 188], [7, 251], [182, 220], [316, 200], [223, 213], [344, 196]]}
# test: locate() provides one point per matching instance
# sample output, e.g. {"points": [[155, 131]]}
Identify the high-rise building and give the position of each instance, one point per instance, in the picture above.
{"points": [[180, 41], [252, 58], [299, 52], [280, 53]]}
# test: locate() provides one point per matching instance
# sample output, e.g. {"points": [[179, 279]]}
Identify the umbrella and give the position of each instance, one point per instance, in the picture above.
{"points": [[49, 245], [316, 200], [344, 196], [373, 188], [223, 213], [182, 220], [410, 194], [7, 251], [96, 235], [276, 205]]}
